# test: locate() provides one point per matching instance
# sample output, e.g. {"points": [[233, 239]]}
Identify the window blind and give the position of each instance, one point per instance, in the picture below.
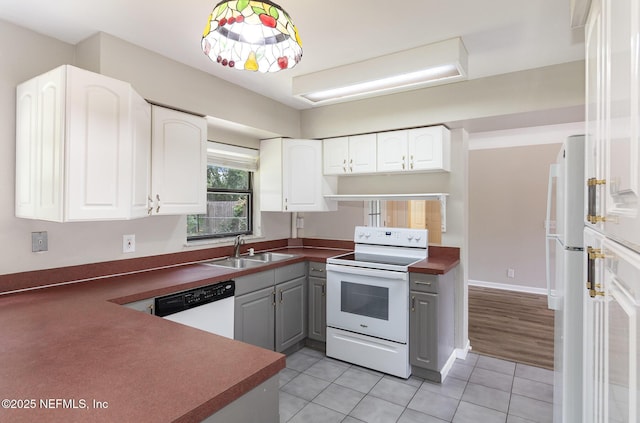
{"points": [[225, 155]]}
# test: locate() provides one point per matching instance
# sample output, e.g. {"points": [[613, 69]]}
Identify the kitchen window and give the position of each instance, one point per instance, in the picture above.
{"points": [[230, 172]]}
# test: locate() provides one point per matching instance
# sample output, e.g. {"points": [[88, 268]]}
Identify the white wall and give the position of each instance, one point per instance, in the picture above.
{"points": [[25, 54], [508, 178]]}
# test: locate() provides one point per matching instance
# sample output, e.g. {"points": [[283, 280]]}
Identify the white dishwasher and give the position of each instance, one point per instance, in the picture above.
{"points": [[209, 308]]}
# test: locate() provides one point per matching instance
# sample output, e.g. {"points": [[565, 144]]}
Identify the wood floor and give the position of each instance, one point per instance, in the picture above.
{"points": [[511, 325]]}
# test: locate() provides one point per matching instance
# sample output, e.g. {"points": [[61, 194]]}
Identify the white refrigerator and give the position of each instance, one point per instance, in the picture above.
{"points": [[565, 281]]}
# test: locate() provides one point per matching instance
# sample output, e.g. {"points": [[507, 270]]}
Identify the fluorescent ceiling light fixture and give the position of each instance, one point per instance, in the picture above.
{"points": [[429, 65]]}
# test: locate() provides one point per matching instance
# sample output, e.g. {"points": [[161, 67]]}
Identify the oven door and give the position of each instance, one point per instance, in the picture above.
{"points": [[368, 301]]}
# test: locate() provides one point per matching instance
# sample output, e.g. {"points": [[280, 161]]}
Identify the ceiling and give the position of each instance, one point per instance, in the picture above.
{"points": [[501, 36]]}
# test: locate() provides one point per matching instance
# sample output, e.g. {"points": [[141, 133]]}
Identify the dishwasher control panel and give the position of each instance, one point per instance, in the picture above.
{"points": [[181, 301]]}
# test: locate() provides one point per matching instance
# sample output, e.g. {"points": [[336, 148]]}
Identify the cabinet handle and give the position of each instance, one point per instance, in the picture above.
{"points": [[423, 283], [286, 204], [413, 303], [593, 254], [412, 161], [281, 296], [313, 269], [150, 308], [323, 291], [150, 204], [403, 162], [274, 297], [158, 203], [592, 186]]}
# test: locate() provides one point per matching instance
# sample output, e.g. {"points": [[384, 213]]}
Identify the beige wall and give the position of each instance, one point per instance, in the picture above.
{"points": [[507, 203], [26, 54]]}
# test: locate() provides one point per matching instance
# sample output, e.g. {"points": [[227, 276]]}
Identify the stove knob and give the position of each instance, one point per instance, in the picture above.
{"points": [[409, 237], [368, 234], [418, 237], [360, 234]]}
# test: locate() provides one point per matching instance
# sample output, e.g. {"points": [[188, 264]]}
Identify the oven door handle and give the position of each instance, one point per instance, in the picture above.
{"points": [[361, 271]]}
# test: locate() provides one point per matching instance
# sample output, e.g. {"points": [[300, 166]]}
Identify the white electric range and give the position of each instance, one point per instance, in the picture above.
{"points": [[368, 298]]}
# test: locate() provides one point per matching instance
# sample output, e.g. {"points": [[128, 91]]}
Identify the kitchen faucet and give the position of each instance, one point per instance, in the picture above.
{"points": [[236, 246]]}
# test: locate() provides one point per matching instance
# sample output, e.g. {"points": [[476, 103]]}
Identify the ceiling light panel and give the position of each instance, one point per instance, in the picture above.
{"points": [[433, 64]]}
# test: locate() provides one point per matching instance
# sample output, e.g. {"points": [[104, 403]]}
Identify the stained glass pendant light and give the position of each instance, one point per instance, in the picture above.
{"points": [[251, 35]]}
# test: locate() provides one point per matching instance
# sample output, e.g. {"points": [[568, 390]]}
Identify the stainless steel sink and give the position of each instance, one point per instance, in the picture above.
{"points": [[268, 257], [234, 262]]}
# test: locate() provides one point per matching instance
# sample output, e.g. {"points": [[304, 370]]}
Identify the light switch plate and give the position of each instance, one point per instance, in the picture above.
{"points": [[39, 241]]}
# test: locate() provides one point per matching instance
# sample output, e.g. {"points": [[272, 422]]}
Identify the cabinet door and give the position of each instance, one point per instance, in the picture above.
{"points": [[593, 328], [362, 153], [392, 151], [429, 148], [302, 175], [423, 330], [317, 309], [27, 149], [141, 157], [334, 155], [254, 321], [291, 313], [40, 138], [622, 154], [178, 162], [622, 325], [595, 116], [99, 144]]}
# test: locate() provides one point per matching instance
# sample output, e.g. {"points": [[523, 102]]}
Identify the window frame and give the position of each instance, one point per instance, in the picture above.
{"points": [[238, 158]]}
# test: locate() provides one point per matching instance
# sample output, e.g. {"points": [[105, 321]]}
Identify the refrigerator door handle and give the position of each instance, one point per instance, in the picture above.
{"points": [[552, 300], [553, 174]]}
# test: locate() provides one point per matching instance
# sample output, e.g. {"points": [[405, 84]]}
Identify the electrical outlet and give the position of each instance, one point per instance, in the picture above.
{"points": [[39, 241], [128, 243], [511, 273]]}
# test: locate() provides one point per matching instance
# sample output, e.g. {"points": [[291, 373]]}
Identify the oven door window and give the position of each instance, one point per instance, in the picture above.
{"points": [[365, 300]]}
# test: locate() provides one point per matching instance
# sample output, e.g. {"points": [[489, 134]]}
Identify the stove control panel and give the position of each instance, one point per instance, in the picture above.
{"points": [[397, 237]]}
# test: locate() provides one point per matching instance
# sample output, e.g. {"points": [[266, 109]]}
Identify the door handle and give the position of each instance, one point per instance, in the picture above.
{"points": [[593, 254], [413, 303], [158, 203]]}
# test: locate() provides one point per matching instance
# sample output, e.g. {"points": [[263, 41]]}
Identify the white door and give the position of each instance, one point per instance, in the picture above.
{"points": [[335, 155], [426, 149], [301, 175], [368, 301], [178, 162], [622, 327], [622, 153], [362, 153], [593, 329], [98, 148], [392, 151], [596, 72]]}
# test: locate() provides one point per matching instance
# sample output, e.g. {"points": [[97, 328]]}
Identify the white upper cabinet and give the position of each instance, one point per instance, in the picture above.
{"points": [[393, 149], [350, 155], [613, 120], [422, 149], [291, 176], [179, 163], [78, 140]]}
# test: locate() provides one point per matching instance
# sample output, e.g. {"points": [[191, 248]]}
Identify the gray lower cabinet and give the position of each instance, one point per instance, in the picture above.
{"points": [[271, 307], [254, 318], [317, 302], [291, 313], [423, 347], [431, 323]]}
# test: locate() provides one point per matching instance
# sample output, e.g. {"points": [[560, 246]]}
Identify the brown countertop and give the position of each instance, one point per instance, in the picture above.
{"points": [[70, 345]]}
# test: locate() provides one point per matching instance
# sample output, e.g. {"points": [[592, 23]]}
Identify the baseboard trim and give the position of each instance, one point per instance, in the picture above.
{"points": [[461, 353], [507, 287], [448, 365]]}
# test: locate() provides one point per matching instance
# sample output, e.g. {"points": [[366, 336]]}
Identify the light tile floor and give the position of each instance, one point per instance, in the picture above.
{"points": [[315, 388]]}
